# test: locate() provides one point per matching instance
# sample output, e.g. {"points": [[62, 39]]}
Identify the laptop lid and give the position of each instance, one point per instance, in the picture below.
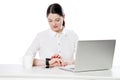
{"points": [[94, 55]]}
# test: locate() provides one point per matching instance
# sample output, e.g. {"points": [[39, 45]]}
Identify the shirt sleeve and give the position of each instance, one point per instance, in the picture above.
{"points": [[76, 38], [31, 51]]}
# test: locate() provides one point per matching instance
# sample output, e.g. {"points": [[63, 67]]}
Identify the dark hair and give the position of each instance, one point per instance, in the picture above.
{"points": [[57, 9]]}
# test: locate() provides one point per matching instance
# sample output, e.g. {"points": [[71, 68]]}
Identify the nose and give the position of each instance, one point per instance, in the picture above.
{"points": [[54, 23]]}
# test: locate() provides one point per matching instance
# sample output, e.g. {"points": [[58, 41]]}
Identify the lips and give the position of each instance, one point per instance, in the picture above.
{"points": [[55, 26]]}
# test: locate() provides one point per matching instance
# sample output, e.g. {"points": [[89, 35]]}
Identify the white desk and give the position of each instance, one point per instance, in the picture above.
{"points": [[17, 72]]}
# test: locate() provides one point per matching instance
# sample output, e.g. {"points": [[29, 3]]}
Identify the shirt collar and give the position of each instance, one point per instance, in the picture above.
{"points": [[55, 34]]}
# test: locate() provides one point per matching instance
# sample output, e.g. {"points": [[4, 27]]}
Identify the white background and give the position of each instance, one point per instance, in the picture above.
{"points": [[21, 20]]}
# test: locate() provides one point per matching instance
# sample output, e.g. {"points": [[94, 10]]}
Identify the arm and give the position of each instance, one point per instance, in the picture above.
{"points": [[28, 58], [52, 63], [38, 62]]}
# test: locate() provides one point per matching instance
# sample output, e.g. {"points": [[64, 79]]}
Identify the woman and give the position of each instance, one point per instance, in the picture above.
{"points": [[56, 46]]}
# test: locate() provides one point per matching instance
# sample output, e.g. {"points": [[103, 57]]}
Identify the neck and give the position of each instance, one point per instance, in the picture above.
{"points": [[60, 30]]}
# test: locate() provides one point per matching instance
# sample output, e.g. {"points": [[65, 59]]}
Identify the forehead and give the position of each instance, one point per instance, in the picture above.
{"points": [[53, 16]]}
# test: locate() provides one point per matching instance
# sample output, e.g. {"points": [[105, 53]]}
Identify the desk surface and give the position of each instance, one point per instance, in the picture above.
{"points": [[16, 70]]}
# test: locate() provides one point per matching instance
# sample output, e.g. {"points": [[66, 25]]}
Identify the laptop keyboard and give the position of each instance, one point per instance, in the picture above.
{"points": [[72, 68]]}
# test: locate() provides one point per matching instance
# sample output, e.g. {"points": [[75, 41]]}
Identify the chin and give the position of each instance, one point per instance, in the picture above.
{"points": [[56, 30]]}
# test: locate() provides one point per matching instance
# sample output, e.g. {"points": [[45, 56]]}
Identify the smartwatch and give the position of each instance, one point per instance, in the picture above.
{"points": [[47, 62]]}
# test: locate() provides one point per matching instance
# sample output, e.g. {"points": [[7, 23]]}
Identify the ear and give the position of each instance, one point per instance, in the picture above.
{"points": [[63, 16]]}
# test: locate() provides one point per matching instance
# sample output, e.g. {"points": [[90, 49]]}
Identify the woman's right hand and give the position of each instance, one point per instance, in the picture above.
{"points": [[57, 62]]}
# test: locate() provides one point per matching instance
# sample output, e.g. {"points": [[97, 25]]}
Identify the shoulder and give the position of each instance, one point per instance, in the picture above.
{"points": [[43, 33], [72, 34]]}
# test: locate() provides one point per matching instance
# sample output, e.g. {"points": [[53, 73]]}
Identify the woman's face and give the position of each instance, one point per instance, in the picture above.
{"points": [[55, 22]]}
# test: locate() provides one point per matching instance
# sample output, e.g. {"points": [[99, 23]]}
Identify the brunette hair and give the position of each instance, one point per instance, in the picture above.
{"points": [[56, 9]]}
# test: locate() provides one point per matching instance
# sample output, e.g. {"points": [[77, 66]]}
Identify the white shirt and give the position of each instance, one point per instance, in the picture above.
{"points": [[48, 43]]}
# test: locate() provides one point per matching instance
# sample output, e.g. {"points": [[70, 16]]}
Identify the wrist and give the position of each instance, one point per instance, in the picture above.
{"points": [[47, 62]]}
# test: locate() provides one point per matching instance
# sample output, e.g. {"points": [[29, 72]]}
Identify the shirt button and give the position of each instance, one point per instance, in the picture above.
{"points": [[59, 44], [59, 51]]}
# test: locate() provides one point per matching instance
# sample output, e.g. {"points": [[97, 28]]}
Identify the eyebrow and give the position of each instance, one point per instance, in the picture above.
{"points": [[55, 18]]}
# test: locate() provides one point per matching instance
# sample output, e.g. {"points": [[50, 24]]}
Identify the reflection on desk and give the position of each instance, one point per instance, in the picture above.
{"points": [[17, 71]]}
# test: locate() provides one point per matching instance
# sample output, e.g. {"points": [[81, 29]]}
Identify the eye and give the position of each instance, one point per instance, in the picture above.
{"points": [[49, 20], [58, 19]]}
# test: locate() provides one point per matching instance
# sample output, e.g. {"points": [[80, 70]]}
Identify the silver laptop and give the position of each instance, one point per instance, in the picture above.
{"points": [[92, 55]]}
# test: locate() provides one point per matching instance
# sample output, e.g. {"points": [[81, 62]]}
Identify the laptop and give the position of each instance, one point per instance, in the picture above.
{"points": [[93, 55]]}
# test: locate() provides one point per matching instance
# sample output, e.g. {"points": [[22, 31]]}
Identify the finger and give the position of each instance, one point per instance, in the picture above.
{"points": [[52, 61], [54, 56], [59, 56], [59, 62], [62, 63]]}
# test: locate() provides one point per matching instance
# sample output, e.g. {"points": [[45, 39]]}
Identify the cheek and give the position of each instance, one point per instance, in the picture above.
{"points": [[59, 23], [50, 24]]}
